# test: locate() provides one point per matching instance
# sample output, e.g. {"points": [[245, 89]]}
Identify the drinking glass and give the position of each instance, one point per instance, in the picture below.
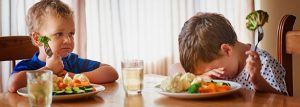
{"points": [[133, 75], [39, 86]]}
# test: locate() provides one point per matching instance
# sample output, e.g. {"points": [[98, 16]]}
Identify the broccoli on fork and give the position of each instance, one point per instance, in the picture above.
{"points": [[44, 40], [256, 18]]}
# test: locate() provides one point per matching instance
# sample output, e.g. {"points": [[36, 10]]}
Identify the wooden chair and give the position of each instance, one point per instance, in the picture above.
{"points": [[287, 44], [14, 48]]}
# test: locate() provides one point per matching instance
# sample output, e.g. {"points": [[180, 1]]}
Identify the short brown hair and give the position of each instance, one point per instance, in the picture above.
{"points": [[201, 37], [40, 10]]}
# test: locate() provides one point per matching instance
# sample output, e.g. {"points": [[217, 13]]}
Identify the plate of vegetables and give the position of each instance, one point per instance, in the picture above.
{"points": [[188, 86], [68, 88]]}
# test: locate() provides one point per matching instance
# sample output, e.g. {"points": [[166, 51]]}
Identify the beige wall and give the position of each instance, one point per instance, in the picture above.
{"points": [[276, 9]]}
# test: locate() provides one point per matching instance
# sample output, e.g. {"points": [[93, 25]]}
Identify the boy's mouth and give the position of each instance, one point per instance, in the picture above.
{"points": [[66, 49]]}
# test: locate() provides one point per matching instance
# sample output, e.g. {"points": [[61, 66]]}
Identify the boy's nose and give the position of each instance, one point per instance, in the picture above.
{"points": [[67, 39]]}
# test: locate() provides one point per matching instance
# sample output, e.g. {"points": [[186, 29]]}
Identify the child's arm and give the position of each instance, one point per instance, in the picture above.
{"points": [[217, 73], [253, 65], [18, 80], [174, 68], [104, 74]]}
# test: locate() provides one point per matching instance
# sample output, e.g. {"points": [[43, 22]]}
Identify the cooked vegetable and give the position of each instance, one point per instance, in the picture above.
{"points": [[256, 18], [71, 86], [178, 82], [194, 88], [209, 87], [44, 40]]}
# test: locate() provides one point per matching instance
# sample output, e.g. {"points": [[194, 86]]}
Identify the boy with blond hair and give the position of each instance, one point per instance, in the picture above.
{"points": [[55, 19]]}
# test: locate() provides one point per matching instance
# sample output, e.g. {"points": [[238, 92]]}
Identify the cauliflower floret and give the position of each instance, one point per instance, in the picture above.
{"points": [[67, 80], [199, 79], [81, 78], [172, 84], [177, 83], [186, 80], [55, 80]]}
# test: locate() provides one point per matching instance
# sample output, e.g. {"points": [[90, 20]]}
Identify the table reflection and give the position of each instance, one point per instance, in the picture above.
{"points": [[134, 100]]}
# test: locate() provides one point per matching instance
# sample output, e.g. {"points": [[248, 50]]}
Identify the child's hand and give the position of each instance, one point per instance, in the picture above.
{"points": [[64, 72], [253, 66], [55, 63], [214, 74]]}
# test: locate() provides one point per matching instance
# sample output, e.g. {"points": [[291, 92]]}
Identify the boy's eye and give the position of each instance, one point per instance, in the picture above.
{"points": [[58, 34], [71, 33]]}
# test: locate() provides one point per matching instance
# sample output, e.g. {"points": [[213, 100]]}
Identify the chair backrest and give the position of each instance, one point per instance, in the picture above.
{"points": [[14, 48], [287, 44]]}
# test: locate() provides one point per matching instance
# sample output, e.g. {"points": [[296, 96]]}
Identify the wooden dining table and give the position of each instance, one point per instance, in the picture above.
{"points": [[114, 96]]}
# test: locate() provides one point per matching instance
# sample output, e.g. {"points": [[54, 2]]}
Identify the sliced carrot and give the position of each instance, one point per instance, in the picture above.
{"points": [[94, 89], [223, 88], [62, 85], [76, 81], [77, 85], [71, 84]]}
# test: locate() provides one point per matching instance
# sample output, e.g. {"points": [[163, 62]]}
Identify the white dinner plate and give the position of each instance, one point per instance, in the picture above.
{"points": [[184, 95], [99, 88]]}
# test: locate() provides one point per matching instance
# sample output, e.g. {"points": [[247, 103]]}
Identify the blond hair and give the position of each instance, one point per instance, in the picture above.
{"points": [[201, 37], [37, 13]]}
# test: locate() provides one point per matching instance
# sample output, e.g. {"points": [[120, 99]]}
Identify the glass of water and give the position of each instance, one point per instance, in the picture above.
{"points": [[133, 76], [39, 86]]}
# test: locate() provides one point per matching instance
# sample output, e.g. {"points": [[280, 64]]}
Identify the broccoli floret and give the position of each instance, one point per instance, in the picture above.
{"points": [[44, 40], [194, 88], [256, 18]]}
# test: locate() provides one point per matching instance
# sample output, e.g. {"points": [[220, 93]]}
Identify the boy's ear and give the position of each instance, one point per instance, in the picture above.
{"points": [[226, 49], [35, 37]]}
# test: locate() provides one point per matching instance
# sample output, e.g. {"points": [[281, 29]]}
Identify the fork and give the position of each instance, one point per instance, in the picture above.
{"points": [[48, 50], [260, 35]]}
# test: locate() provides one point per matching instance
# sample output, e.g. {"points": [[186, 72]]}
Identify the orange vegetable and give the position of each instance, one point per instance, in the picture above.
{"points": [[76, 81], [223, 88], [210, 87], [61, 85], [77, 85]]}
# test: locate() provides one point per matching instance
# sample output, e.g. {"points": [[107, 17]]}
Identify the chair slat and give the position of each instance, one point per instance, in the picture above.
{"points": [[286, 24], [16, 48]]}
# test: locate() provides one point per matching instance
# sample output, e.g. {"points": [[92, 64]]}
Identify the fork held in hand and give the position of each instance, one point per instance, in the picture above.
{"points": [[48, 50], [260, 36]]}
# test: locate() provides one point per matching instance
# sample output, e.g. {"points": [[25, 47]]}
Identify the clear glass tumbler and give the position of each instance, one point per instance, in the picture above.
{"points": [[133, 76], [39, 86]]}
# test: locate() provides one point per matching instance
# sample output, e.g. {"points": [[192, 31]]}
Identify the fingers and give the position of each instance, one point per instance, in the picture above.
{"points": [[253, 66], [62, 73], [253, 54], [253, 58], [55, 55], [216, 73]]}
